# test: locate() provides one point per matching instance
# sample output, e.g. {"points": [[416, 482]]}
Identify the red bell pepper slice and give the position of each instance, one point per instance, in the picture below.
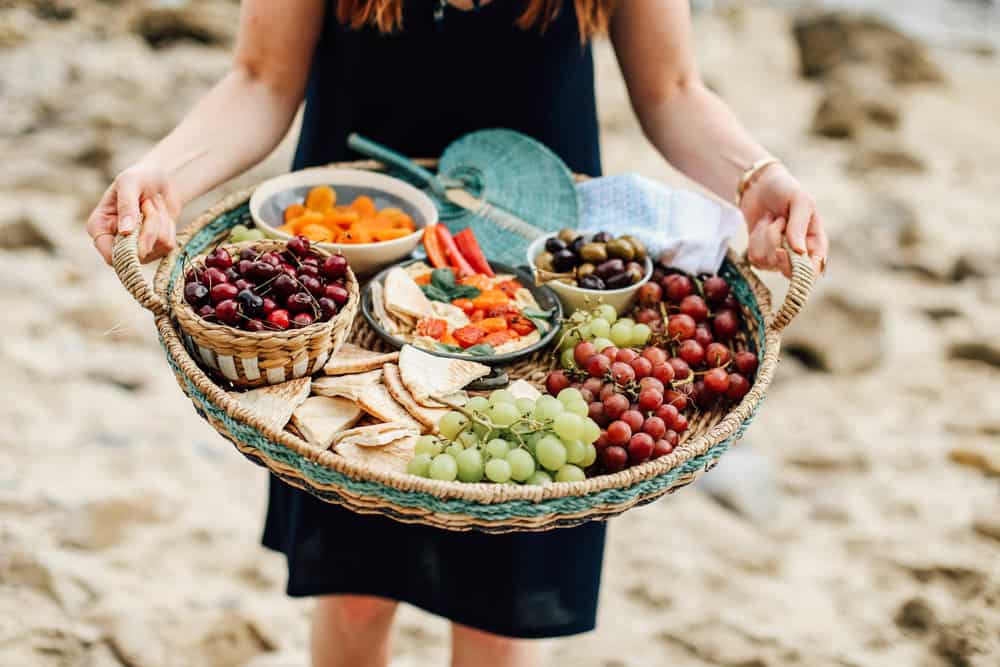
{"points": [[455, 258], [469, 247], [435, 253]]}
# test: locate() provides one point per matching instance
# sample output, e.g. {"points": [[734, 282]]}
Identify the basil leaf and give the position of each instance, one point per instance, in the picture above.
{"points": [[435, 293], [483, 349], [443, 279], [448, 348], [541, 319], [464, 292]]}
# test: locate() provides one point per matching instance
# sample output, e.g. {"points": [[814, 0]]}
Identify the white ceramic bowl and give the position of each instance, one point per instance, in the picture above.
{"points": [[270, 199], [574, 298]]}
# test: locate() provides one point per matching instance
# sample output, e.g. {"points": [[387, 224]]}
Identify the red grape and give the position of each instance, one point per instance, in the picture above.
{"points": [[609, 389], [726, 324], [611, 352], [651, 382], [716, 289], [668, 413], [640, 447], [746, 362], [598, 366], [647, 316], [641, 366], [717, 380], [680, 424], [694, 307], [596, 412], [661, 448], [602, 440], [672, 437], [681, 327], [613, 458], [626, 355], [619, 433], [655, 427], [691, 352], [730, 303], [583, 352], [650, 294], [703, 335], [594, 385], [676, 399], [677, 286], [738, 387], [681, 368], [650, 399], [615, 405], [664, 372], [655, 355], [585, 394], [717, 354], [633, 418], [556, 382], [622, 373]]}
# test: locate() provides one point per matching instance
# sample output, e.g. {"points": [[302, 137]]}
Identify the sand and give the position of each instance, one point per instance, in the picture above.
{"points": [[882, 547]]}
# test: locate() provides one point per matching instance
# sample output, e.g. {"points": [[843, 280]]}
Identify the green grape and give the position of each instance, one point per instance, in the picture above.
{"points": [[570, 340], [627, 320], [600, 328], [254, 235], [621, 333], [539, 478], [585, 331], [547, 407], [480, 431], [238, 233], [454, 449], [497, 448], [601, 343], [575, 451], [567, 426], [501, 396], [550, 452], [470, 465], [419, 465], [468, 439], [607, 313], [589, 456], [522, 464], [478, 404], [566, 359], [578, 408], [444, 468], [570, 473], [640, 335], [451, 423], [590, 431], [498, 470], [569, 394], [532, 440], [504, 414], [428, 444], [525, 406]]}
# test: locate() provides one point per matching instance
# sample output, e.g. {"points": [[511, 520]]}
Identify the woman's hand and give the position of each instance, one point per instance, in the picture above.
{"points": [[776, 207], [140, 193]]}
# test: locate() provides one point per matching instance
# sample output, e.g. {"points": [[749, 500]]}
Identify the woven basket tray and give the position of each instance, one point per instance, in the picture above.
{"points": [[455, 505]]}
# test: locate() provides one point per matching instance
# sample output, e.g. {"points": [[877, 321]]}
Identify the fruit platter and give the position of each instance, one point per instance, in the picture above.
{"points": [[369, 393]]}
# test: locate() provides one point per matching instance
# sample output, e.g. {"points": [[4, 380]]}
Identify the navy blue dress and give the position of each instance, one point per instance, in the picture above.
{"points": [[417, 91]]}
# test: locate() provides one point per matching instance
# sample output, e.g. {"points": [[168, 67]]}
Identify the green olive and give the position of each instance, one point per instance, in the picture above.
{"points": [[584, 269], [567, 236], [544, 261], [621, 249], [594, 252], [634, 271], [638, 246]]}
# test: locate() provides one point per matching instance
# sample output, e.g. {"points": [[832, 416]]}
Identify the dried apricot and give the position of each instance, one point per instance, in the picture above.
{"points": [[321, 198]]}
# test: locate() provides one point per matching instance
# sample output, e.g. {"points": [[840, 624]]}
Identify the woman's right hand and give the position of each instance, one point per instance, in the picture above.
{"points": [[141, 193]]}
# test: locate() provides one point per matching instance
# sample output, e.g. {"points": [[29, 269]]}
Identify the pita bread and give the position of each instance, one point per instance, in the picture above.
{"points": [[378, 306], [375, 435], [320, 418], [351, 358], [275, 403], [346, 386], [403, 296], [524, 389], [428, 377], [428, 417], [378, 402], [394, 456]]}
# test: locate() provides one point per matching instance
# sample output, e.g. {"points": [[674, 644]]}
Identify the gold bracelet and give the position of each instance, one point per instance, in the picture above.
{"points": [[751, 173]]}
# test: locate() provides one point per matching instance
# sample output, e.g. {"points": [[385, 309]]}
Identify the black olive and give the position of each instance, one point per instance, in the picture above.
{"points": [[576, 244], [555, 244], [563, 261], [602, 237], [609, 268], [591, 282], [618, 281]]}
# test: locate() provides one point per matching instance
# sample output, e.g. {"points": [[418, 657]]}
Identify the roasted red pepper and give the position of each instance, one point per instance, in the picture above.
{"points": [[455, 258], [435, 253], [469, 247]]}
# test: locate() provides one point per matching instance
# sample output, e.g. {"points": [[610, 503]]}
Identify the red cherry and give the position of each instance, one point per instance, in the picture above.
{"points": [[327, 308], [312, 284], [746, 362], [227, 311], [336, 292], [738, 387], [299, 246], [302, 320], [300, 302], [716, 289], [717, 354], [334, 267], [726, 324], [222, 292], [245, 267], [214, 276], [278, 318], [268, 307], [284, 286], [195, 294], [207, 312], [253, 325], [308, 270], [681, 327], [677, 286], [219, 259]]}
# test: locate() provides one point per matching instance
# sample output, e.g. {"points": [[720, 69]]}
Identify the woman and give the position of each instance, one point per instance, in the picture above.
{"points": [[416, 78]]}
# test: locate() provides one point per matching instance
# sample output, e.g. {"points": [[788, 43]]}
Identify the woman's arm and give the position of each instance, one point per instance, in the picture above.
{"points": [[694, 130], [235, 125]]}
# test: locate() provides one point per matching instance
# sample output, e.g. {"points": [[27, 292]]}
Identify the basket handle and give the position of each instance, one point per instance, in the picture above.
{"points": [[802, 281], [125, 260]]}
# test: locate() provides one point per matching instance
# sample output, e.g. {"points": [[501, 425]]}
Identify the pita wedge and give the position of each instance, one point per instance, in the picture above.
{"points": [[275, 403], [378, 306], [428, 417], [320, 418], [403, 296], [346, 386], [394, 456], [351, 358], [375, 435], [378, 402], [524, 389], [432, 380]]}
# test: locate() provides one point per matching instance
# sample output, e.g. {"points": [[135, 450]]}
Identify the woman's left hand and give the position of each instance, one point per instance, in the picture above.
{"points": [[776, 206]]}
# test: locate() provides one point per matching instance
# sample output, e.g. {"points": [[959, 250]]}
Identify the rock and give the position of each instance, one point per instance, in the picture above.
{"points": [[166, 25], [33, 220], [827, 40], [855, 97], [101, 524], [882, 150], [743, 482], [915, 616], [231, 640], [987, 526], [984, 351], [984, 457], [960, 642]]}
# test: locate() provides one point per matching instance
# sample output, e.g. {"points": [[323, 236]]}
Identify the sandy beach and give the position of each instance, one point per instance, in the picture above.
{"points": [[129, 530]]}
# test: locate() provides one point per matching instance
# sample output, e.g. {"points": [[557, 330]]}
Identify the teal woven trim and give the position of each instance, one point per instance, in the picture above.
{"points": [[512, 509]]}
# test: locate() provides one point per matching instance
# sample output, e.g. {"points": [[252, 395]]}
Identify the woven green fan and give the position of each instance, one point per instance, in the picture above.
{"points": [[506, 186]]}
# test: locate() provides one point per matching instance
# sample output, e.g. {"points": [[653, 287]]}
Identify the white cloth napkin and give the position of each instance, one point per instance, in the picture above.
{"points": [[689, 230]]}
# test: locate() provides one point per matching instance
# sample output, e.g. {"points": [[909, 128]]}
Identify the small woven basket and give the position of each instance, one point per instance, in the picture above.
{"points": [[494, 508], [244, 358]]}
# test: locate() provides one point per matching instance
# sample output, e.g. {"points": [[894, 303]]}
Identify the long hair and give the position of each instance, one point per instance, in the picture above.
{"points": [[387, 15]]}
